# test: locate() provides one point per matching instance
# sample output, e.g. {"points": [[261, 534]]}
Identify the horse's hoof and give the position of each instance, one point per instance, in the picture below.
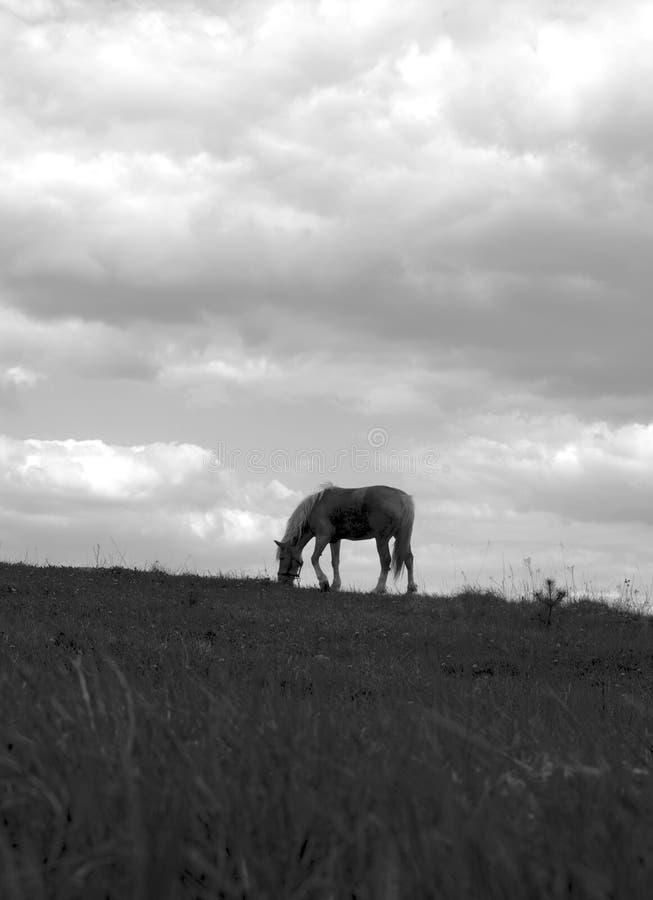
{"points": [[411, 589], [324, 587]]}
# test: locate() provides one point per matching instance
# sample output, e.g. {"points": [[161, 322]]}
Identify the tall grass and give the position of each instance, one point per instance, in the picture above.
{"points": [[179, 737]]}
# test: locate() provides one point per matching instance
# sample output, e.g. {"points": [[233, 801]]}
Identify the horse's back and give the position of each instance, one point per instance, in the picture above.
{"points": [[360, 513], [375, 495], [381, 494]]}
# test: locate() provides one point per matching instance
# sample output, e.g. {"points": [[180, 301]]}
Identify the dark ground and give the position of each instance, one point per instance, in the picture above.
{"points": [[175, 736]]}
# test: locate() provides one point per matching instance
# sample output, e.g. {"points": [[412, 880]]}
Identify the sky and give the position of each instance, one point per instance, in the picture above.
{"points": [[250, 247]]}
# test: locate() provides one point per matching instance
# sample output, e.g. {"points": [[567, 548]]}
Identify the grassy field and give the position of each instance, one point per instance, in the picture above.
{"points": [[183, 737]]}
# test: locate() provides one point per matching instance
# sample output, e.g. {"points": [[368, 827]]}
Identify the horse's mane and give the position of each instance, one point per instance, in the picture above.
{"points": [[299, 518]]}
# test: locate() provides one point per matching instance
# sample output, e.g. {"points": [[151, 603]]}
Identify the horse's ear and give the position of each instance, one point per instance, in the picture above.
{"points": [[278, 543]]}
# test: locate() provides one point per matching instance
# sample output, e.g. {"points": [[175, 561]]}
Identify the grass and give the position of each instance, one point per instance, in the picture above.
{"points": [[171, 736]]}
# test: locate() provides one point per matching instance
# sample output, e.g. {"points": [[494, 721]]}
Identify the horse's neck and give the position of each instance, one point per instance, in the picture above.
{"points": [[304, 537]]}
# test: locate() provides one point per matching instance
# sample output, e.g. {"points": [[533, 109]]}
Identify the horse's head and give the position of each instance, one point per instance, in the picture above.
{"points": [[290, 562]]}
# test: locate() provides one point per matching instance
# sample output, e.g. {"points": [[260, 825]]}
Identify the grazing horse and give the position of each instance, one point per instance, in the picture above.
{"points": [[352, 514]]}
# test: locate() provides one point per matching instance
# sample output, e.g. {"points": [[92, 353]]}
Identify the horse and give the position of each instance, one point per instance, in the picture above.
{"points": [[353, 514]]}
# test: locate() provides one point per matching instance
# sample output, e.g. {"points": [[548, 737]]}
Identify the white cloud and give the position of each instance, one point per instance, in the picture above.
{"points": [[241, 371], [540, 486], [559, 466], [241, 525], [17, 376], [14, 381], [147, 502], [94, 471]]}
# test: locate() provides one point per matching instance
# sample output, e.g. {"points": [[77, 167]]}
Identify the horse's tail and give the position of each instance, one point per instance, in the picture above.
{"points": [[401, 549]]}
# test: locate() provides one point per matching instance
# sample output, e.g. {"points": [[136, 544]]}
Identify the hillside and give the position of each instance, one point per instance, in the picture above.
{"points": [[185, 737]]}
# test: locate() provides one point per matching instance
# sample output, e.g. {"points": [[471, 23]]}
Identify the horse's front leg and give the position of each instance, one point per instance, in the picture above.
{"points": [[335, 562], [385, 559], [320, 544]]}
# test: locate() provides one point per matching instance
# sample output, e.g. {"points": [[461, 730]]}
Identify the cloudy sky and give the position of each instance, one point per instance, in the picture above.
{"points": [[249, 247]]}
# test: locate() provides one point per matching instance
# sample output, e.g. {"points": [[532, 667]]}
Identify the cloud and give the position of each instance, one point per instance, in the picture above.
{"points": [[329, 128], [583, 474], [140, 497], [557, 466], [77, 346], [281, 224], [13, 381], [59, 472], [19, 377], [101, 475]]}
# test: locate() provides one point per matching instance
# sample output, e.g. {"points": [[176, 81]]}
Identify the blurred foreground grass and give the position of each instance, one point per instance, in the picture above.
{"points": [[183, 737]]}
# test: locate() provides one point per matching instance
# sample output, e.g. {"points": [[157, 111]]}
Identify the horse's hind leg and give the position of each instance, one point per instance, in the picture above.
{"points": [[412, 587], [384, 559], [335, 562], [320, 544]]}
